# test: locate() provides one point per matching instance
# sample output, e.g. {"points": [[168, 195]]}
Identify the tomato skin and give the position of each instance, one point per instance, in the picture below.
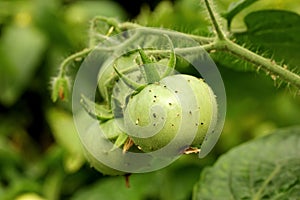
{"points": [[104, 169], [140, 113]]}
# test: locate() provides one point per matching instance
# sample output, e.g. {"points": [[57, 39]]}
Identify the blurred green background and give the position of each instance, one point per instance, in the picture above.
{"points": [[40, 154]]}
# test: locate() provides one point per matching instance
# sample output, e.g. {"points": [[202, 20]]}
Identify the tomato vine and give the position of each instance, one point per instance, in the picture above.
{"points": [[220, 42], [211, 44]]}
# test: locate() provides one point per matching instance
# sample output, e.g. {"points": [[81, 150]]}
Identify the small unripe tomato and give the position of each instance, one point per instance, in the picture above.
{"points": [[157, 108]]}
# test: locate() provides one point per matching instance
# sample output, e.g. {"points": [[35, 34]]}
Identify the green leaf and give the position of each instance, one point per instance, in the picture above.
{"points": [[20, 52], [30, 195], [274, 33], [83, 11], [277, 20], [182, 15], [114, 188], [65, 134], [235, 8], [176, 180], [265, 168], [47, 17]]}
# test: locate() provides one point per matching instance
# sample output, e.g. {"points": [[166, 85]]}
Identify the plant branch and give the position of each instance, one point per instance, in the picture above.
{"points": [[219, 43], [213, 18], [268, 65], [200, 39], [64, 64]]}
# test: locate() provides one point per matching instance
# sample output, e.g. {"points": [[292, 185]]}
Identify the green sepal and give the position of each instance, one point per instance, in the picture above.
{"points": [[108, 89], [121, 139], [150, 71], [95, 110], [117, 107], [132, 84], [60, 88], [137, 90], [145, 58], [172, 60], [110, 129]]}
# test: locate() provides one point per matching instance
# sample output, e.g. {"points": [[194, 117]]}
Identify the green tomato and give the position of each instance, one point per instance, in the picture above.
{"points": [[99, 166], [96, 144], [141, 116]]}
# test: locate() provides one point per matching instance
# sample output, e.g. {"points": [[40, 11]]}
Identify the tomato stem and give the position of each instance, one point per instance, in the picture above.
{"points": [[111, 22], [201, 39], [268, 65], [213, 16], [65, 63]]}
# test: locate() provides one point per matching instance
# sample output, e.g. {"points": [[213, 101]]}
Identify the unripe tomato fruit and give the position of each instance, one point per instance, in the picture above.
{"points": [[139, 113]]}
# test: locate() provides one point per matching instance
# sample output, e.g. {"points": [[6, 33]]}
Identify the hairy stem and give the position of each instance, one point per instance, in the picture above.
{"points": [[212, 14], [200, 39], [113, 23], [226, 45], [64, 64], [268, 65]]}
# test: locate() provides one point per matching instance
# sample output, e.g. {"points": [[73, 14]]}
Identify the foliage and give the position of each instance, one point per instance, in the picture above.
{"points": [[265, 168], [40, 153]]}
